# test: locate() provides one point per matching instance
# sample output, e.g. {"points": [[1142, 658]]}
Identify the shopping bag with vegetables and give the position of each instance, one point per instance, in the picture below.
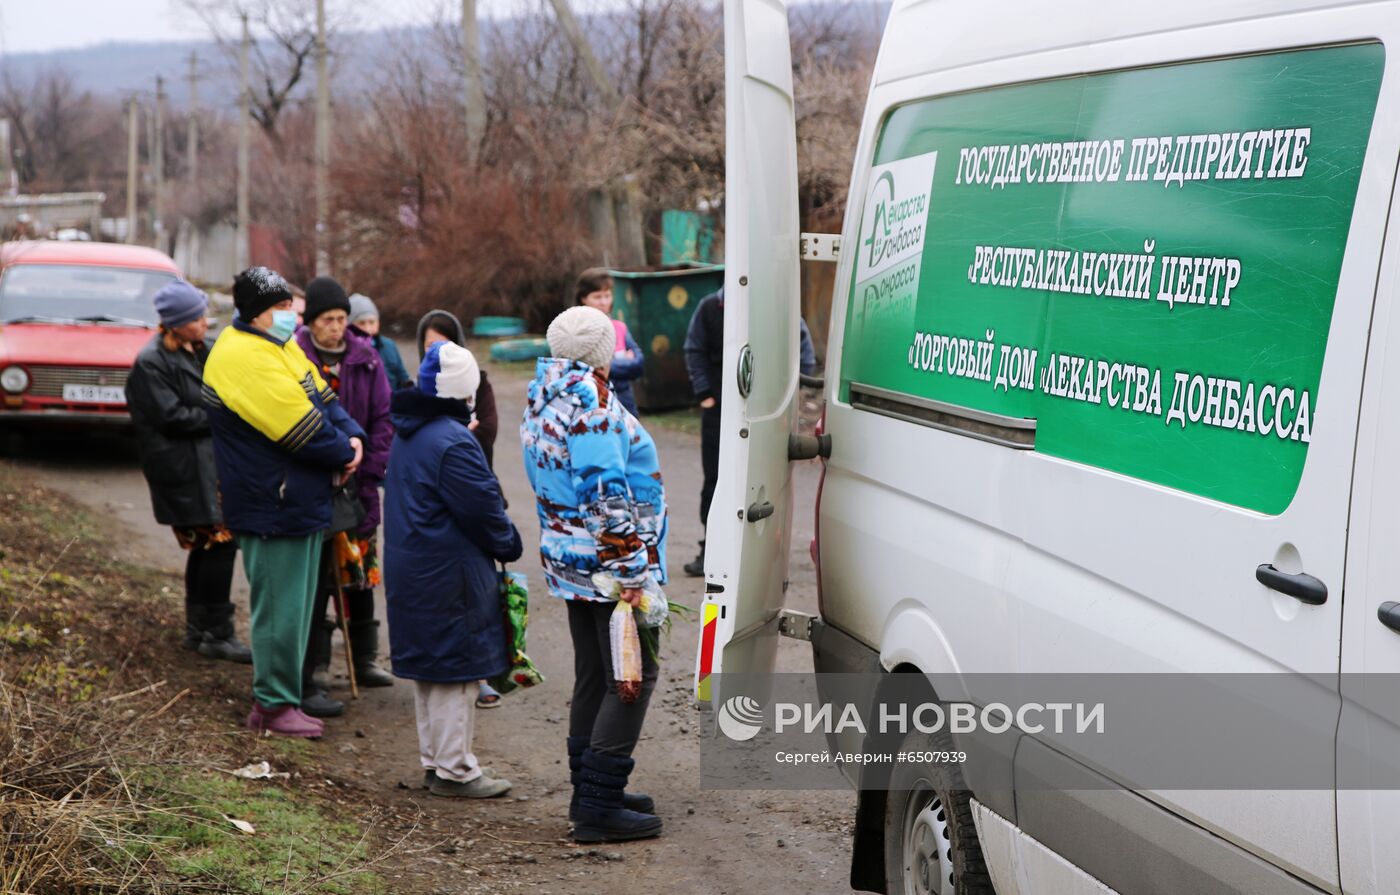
{"points": [[515, 605]]}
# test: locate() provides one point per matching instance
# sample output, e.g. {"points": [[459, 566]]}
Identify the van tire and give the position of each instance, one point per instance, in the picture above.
{"points": [[920, 794]]}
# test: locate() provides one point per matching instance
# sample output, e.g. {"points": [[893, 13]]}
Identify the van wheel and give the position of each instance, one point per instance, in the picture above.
{"points": [[931, 845]]}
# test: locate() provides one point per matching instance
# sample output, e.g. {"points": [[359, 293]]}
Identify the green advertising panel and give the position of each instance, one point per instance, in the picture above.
{"points": [[1144, 262]]}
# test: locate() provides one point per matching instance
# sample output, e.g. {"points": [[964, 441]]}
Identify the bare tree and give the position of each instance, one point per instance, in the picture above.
{"points": [[283, 49], [63, 137], [422, 228]]}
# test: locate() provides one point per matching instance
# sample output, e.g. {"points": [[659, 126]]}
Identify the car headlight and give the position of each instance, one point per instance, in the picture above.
{"points": [[14, 379]]}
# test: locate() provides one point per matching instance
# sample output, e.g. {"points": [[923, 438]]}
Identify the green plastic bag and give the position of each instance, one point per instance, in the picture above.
{"points": [[515, 605]]}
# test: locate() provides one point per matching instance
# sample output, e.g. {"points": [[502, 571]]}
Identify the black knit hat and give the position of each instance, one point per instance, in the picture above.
{"points": [[324, 294], [257, 289]]}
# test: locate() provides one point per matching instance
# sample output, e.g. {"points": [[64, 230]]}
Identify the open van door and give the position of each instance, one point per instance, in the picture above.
{"points": [[749, 529]]}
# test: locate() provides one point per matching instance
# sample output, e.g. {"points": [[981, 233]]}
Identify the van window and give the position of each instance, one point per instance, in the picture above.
{"points": [[1143, 263]]}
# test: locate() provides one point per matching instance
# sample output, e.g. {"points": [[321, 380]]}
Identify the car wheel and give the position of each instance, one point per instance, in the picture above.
{"points": [[11, 443], [931, 845]]}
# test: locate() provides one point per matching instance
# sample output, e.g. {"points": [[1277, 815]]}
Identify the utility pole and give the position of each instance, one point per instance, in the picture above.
{"points": [[158, 165], [133, 145], [192, 133], [323, 145], [611, 98], [473, 94], [241, 238], [9, 182]]}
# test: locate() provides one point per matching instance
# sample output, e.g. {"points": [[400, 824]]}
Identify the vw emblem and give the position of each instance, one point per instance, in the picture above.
{"points": [[745, 371]]}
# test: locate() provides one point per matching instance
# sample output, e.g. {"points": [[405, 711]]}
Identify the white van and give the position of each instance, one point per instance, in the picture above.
{"points": [[1110, 388]]}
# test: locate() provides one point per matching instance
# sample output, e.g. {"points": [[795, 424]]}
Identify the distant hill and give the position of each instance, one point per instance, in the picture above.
{"points": [[118, 69]]}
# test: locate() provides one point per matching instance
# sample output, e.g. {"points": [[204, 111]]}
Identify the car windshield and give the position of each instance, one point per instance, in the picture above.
{"points": [[78, 292]]}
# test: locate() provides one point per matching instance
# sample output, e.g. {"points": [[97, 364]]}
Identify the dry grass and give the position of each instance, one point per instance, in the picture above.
{"points": [[110, 755]]}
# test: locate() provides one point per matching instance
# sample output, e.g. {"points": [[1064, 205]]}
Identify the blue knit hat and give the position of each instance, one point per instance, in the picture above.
{"points": [[179, 303], [449, 371]]}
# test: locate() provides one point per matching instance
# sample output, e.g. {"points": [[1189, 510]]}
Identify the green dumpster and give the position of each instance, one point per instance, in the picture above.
{"points": [[657, 306]]}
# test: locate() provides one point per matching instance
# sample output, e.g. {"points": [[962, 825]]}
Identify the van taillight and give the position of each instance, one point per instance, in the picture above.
{"points": [[816, 548]]}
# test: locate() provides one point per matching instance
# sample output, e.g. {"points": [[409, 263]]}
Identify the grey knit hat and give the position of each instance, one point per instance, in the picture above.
{"points": [[362, 306], [583, 334]]}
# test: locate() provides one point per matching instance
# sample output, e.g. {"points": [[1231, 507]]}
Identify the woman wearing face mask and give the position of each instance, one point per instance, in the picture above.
{"points": [[282, 443]]}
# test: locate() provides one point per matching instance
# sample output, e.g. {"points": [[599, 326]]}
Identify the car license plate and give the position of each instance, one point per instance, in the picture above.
{"points": [[94, 394]]}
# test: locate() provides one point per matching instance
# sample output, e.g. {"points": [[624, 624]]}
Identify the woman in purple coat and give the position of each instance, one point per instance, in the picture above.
{"points": [[353, 368]]}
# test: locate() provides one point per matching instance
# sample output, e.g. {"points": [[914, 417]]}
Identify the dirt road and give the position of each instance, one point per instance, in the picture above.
{"points": [[715, 841]]}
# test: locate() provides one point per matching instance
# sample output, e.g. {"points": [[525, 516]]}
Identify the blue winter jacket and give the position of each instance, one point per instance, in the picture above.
{"points": [[445, 528], [393, 361], [597, 483], [280, 434]]}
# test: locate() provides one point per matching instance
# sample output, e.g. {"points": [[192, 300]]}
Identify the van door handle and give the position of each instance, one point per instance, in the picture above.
{"points": [[757, 511], [1298, 585], [1389, 614]]}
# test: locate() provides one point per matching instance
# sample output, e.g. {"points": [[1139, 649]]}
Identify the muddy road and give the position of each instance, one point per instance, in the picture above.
{"points": [[715, 841]]}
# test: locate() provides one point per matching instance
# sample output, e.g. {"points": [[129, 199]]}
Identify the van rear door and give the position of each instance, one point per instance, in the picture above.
{"points": [[748, 531]]}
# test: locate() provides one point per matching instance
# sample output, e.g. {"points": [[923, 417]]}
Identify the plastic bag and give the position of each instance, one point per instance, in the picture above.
{"points": [[515, 605], [626, 652], [654, 604]]}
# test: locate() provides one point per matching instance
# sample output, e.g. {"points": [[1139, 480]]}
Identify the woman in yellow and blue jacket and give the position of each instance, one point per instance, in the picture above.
{"points": [[282, 444]]}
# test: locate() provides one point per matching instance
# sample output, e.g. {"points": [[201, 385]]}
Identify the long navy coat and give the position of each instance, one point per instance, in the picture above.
{"points": [[445, 528]]}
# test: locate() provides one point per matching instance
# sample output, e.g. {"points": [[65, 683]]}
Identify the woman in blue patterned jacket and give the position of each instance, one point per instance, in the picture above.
{"points": [[602, 508]]}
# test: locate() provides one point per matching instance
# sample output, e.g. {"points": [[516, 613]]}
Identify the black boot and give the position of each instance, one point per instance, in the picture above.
{"points": [[696, 567], [321, 655], [219, 641], [194, 626], [632, 801], [364, 644], [320, 704], [601, 817]]}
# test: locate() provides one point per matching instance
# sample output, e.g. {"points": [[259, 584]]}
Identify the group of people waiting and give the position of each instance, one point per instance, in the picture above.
{"points": [[277, 439]]}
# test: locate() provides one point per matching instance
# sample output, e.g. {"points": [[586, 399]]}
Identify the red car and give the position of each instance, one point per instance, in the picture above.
{"points": [[73, 316]]}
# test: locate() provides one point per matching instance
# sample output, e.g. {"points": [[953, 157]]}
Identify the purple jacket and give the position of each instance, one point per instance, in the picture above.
{"points": [[364, 393]]}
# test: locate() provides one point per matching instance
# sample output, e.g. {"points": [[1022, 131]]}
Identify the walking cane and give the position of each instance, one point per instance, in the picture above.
{"points": [[342, 620]]}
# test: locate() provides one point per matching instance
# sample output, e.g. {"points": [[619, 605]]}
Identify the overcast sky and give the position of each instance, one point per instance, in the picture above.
{"points": [[38, 25]]}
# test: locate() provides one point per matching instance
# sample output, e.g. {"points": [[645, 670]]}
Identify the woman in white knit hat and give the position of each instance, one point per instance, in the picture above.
{"points": [[445, 528], [602, 508]]}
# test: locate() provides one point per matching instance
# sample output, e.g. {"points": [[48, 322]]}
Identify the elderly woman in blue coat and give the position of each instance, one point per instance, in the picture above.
{"points": [[445, 528]]}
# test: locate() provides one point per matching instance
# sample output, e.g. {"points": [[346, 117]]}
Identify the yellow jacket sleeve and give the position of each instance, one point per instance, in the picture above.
{"points": [[268, 386]]}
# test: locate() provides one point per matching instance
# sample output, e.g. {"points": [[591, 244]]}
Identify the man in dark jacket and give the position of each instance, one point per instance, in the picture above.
{"points": [[282, 444], [165, 396], [445, 528], [704, 361], [355, 372]]}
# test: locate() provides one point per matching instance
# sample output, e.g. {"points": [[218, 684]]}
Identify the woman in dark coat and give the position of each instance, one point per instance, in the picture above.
{"points": [[443, 326], [165, 396], [445, 528]]}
